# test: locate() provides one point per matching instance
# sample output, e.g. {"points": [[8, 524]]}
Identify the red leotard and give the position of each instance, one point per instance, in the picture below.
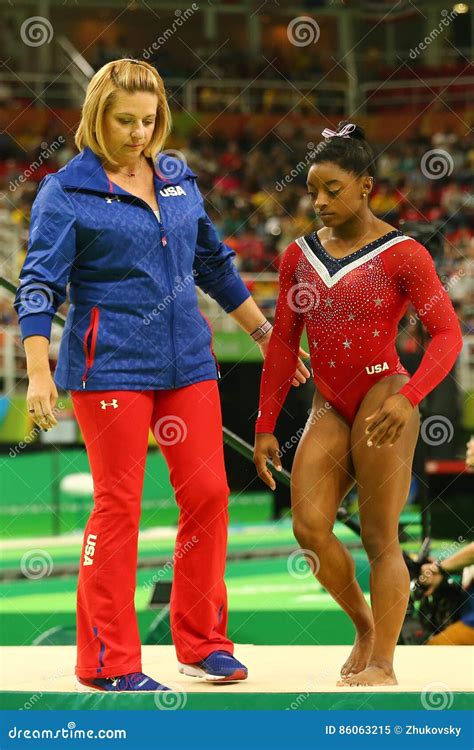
{"points": [[351, 307]]}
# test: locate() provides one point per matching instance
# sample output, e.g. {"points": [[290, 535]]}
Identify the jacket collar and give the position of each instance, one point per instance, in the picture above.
{"points": [[85, 172]]}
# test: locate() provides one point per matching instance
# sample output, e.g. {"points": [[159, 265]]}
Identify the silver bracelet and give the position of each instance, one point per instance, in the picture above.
{"points": [[261, 331]]}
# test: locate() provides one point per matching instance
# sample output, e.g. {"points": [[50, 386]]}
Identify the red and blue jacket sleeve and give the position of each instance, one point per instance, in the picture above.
{"points": [[49, 258], [214, 270], [413, 268], [282, 353]]}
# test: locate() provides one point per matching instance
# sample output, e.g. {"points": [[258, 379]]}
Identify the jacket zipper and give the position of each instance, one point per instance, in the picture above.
{"points": [[92, 331], [173, 347], [164, 243]]}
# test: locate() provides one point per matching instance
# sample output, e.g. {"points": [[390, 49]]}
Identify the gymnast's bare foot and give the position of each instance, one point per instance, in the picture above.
{"points": [[376, 673], [360, 654]]}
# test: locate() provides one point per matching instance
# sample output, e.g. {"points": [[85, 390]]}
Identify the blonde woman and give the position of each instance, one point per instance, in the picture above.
{"points": [[126, 226]]}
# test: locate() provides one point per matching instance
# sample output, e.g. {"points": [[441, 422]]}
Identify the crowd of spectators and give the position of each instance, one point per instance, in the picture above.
{"points": [[256, 194], [258, 200]]}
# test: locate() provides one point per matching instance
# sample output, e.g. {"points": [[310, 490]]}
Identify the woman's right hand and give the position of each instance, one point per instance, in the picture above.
{"points": [[266, 448], [41, 399]]}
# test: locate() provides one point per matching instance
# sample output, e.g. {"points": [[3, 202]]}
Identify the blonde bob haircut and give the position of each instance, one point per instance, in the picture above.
{"points": [[121, 75]]}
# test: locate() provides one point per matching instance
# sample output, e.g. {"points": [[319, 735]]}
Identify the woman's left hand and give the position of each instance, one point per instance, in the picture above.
{"points": [[385, 426], [302, 373]]}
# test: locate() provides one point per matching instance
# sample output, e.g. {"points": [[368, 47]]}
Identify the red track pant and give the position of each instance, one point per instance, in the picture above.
{"points": [[187, 425]]}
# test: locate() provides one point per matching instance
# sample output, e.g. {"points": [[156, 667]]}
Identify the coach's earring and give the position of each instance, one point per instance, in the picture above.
{"points": [[364, 195]]}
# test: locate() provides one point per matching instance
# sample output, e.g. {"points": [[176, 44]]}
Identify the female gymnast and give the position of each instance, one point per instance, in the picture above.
{"points": [[350, 284], [126, 225]]}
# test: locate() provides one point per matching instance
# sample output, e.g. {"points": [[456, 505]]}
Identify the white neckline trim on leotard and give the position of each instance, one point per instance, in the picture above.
{"points": [[323, 272]]}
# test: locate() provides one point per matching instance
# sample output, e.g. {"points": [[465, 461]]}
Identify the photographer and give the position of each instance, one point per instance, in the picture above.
{"points": [[461, 632]]}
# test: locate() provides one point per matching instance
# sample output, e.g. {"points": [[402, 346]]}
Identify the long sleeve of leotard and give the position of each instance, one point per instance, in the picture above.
{"points": [[412, 266], [282, 354]]}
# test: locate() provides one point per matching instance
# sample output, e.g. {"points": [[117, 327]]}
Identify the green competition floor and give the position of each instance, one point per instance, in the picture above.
{"points": [[222, 701], [34, 503], [267, 605], [244, 538]]}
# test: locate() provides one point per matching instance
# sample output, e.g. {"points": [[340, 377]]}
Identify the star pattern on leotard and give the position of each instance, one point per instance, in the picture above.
{"points": [[351, 323]]}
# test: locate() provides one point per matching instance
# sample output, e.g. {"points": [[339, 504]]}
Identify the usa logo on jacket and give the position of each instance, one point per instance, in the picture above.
{"points": [[173, 190]]}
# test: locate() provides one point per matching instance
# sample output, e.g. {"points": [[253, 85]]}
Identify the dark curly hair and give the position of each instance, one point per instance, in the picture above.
{"points": [[351, 153]]}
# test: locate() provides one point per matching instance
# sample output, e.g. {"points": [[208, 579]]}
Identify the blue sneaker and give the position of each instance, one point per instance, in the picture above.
{"points": [[126, 683], [220, 666]]}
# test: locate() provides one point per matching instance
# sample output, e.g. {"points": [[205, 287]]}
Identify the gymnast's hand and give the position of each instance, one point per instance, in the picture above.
{"points": [[385, 426], [302, 373], [266, 448]]}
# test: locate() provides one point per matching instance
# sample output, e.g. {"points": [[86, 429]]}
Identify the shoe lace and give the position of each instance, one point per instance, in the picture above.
{"points": [[129, 680]]}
